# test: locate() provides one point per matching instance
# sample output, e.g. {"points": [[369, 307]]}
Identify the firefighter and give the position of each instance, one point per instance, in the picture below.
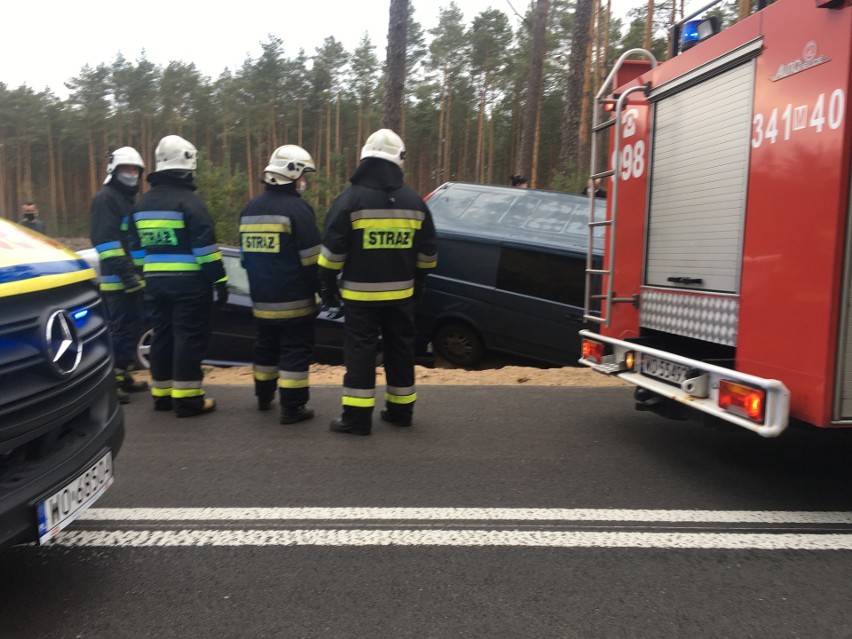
{"points": [[182, 266], [379, 236], [279, 246], [120, 280]]}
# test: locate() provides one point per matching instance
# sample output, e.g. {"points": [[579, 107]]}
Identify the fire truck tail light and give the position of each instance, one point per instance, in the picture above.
{"points": [[742, 400], [592, 350], [629, 361]]}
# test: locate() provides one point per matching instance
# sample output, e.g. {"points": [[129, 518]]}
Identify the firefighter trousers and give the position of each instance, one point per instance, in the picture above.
{"points": [[125, 312], [282, 356], [364, 324], [181, 311]]}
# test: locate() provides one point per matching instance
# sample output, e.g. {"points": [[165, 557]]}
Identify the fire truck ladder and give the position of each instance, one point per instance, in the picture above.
{"points": [[602, 275]]}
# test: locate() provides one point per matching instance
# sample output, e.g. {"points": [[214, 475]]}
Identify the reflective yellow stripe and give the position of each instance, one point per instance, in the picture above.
{"points": [[264, 228], [45, 282], [180, 393], [387, 222], [212, 257], [265, 377], [293, 383], [376, 296], [299, 312], [112, 286], [325, 262], [119, 252], [401, 399], [160, 224], [171, 266], [161, 392], [307, 261], [360, 402], [427, 264]]}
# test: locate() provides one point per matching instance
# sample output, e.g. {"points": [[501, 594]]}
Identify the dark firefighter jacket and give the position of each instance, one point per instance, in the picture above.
{"points": [[110, 236], [175, 233], [379, 233], [279, 246]]}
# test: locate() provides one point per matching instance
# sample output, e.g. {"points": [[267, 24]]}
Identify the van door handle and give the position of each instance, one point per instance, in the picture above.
{"points": [[685, 280]]}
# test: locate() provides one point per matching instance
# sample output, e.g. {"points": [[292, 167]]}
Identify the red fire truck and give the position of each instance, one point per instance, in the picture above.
{"points": [[726, 288]]}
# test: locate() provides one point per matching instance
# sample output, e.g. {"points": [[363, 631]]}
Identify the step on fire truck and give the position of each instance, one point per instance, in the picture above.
{"points": [[726, 288]]}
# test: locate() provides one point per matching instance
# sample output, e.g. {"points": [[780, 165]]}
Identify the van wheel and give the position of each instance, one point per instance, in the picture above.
{"points": [[143, 349], [459, 344]]}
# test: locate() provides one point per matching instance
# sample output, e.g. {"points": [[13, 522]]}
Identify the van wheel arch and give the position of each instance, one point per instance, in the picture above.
{"points": [[459, 343]]}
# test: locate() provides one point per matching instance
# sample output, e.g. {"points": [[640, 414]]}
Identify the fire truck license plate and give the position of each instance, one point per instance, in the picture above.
{"points": [[70, 501], [663, 369]]}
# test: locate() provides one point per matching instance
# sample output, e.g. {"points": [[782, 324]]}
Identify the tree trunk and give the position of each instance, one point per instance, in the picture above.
{"points": [[300, 121], [536, 149], [442, 116], [523, 165], [649, 26], [588, 95], [51, 172], [63, 202], [480, 139], [93, 184], [395, 64], [448, 137], [569, 160], [249, 162], [744, 9]]}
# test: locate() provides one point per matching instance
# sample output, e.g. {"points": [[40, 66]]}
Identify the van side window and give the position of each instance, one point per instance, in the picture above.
{"points": [[558, 278]]}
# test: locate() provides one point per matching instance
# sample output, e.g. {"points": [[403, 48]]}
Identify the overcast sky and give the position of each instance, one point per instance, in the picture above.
{"points": [[47, 42]]}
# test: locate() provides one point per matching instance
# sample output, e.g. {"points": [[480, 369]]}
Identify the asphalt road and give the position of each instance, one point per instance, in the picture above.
{"points": [[504, 512]]}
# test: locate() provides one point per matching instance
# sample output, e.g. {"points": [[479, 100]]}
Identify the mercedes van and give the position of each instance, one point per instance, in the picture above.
{"points": [[60, 422], [510, 276]]}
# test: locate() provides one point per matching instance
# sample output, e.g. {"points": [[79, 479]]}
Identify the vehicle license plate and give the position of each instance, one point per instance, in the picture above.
{"points": [[663, 369], [70, 501]]}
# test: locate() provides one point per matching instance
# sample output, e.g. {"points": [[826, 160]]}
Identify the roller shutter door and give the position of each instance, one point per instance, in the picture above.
{"points": [[698, 183]]}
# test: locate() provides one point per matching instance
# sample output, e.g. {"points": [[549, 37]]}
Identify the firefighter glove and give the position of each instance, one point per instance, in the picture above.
{"points": [[328, 290]]}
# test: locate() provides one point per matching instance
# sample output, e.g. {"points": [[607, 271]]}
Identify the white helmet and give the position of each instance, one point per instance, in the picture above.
{"points": [[385, 144], [287, 165], [173, 152], [125, 156]]}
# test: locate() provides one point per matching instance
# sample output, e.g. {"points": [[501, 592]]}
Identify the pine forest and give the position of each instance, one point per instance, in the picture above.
{"points": [[481, 101]]}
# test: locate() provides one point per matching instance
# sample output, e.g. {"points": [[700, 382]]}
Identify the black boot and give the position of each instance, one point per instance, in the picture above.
{"points": [[123, 398], [397, 418], [291, 415], [125, 382], [162, 403], [340, 426], [264, 402], [208, 406]]}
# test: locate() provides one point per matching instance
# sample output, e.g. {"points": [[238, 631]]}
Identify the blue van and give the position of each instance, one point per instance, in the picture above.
{"points": [[510, 275]]}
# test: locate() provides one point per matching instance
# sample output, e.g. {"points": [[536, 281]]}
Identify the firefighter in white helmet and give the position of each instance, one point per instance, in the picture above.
{"points": [[121, 281], [182, 266], [380, 238], [279, 245]]}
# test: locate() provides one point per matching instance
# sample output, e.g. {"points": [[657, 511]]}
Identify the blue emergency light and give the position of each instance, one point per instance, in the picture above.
{"points": [[80, 316], [696, 31]]}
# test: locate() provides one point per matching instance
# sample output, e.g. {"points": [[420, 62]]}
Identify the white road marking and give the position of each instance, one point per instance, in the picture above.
{"points": [[469, 514], [456, 538]]}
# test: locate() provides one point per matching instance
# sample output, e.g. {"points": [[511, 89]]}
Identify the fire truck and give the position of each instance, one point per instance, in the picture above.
{"points": [[725, 291]]}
